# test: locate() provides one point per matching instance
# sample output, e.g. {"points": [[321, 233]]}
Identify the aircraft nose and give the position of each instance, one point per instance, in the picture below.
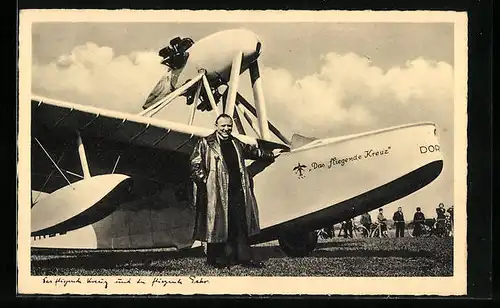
{"points": [[258, 47]]}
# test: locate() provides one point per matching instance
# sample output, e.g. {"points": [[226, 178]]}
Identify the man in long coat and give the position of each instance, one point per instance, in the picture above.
{"points": [[226, 209], [418, 221]]}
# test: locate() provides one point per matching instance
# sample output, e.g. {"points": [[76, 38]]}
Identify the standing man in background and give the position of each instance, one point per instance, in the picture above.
{"points": [[450, 211], [418, 220], [399, 222], [441, 219], [347, 227], [366, 221], [382, 221], [226, 209]]}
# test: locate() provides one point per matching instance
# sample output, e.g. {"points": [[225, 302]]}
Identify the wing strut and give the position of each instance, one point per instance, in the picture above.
{"points": [[195, 102], [83, 157], [249, 119], [273, 128], [155, 108], [47, 180], [210, 96], [54, 163], [260, 103], [116, 164], [238, 123], [234, 79]]}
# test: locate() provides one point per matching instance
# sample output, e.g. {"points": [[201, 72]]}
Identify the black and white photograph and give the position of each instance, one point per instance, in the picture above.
{"points": [[243, 152]]}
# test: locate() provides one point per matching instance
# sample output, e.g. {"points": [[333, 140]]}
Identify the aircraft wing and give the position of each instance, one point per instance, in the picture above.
{"points": [[153, 153], [115, 142]]}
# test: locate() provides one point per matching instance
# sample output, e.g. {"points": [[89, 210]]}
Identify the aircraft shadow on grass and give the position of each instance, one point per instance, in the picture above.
{"points": [[149, 260]]}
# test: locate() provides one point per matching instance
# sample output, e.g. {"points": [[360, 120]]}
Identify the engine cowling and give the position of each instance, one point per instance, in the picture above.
{"points": [[175, 55]]}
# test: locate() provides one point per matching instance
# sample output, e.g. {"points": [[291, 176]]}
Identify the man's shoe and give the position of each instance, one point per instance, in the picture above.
{"points": [[253, 264]]}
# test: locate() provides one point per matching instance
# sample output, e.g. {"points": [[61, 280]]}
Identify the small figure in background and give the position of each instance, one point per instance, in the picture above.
{"points": [[366, 221], [450, 211], [418, 220], [441, 219], [399, 222], [348, 228], [382, 222]]}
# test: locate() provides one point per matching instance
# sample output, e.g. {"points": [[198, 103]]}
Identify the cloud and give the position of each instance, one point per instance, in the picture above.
{"points": [[350, 94], [93, 75]]}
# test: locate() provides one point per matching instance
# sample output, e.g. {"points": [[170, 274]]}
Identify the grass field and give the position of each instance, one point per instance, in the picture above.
{"points": [[372, 257]]}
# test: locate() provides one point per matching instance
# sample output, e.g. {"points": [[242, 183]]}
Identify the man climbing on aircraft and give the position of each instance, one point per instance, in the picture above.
{"points": [[226, 209]]}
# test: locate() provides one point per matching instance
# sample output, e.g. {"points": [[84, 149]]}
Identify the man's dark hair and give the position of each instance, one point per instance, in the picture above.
{"points": [[418, 208], [380, 210], [223, 115]]}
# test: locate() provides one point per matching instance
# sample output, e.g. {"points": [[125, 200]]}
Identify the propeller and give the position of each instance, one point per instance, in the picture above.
{"points": [[175, 55]]}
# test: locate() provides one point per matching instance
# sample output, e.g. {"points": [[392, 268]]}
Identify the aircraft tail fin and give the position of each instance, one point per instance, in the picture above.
{"points": [[299, 140]]}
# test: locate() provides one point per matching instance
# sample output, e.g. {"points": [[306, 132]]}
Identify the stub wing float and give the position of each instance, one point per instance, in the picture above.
{"points": [[105, 179]]}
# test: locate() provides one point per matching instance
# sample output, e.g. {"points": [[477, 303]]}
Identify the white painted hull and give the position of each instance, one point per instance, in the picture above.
{"points": [[326, 182]]}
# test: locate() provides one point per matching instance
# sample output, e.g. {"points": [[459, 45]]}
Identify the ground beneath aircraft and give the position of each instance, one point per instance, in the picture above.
{"points": [[430, 256]]}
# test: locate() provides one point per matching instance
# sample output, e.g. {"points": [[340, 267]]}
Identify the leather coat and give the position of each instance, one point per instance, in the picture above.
{"points": [[210, 192]]}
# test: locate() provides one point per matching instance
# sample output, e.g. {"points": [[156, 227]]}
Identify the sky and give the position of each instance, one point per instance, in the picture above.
{"points": [[319, 79]]}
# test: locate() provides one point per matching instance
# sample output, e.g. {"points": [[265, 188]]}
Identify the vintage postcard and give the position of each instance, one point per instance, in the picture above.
{"points": [[242, 152]]}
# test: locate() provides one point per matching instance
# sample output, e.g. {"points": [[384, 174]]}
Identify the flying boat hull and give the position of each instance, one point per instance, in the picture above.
{"points": [[318, 184]]}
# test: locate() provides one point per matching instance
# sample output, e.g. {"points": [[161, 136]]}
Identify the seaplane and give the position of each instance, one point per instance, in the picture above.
{"points": [[126, 177]]}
